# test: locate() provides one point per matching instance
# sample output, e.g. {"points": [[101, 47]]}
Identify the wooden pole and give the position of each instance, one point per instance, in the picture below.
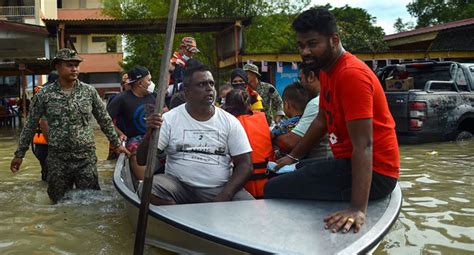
{"points": [[151, 156], [62, 27], [236, 46]]}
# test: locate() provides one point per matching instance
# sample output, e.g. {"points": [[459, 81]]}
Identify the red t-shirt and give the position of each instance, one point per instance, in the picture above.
{"points": [[351, 91]]}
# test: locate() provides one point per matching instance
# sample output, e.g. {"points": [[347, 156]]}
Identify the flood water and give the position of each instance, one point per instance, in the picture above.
{"points": [[437, 216]]}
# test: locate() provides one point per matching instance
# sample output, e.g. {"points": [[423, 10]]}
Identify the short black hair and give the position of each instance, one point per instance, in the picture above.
{"points": [[319, 20], [308, 68], [193, 65], [225, 86], [177, 100], [296, 95], [237, 102]]}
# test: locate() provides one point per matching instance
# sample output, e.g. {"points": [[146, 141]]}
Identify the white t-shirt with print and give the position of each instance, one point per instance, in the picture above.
{"points": [[198, 152]]}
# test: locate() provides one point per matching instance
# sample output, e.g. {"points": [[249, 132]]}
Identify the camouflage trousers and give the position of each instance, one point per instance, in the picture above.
{"points": [[66, 169]]}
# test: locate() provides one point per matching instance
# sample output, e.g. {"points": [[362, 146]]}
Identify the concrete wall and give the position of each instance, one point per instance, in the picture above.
{"points": [[84, 44], [96, 47], [71, 4], [49, 9], [101, 47], [94, 4], [76, 4], [101, 62], [30, 20]]}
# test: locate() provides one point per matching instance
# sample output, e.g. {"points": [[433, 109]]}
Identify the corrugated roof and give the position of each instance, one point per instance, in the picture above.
{"points": [[33, 66], [81, 14], [455, 39], [434, 28], [22, 27], [141, 26]]}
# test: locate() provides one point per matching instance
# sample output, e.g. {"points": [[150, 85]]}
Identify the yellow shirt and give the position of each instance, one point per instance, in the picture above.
{"points": [[257, 106]]}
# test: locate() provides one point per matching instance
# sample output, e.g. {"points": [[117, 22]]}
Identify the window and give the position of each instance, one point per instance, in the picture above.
{"points": [[96, 39], [471, 68], [460, 80], [110, 41], [111, 45]]}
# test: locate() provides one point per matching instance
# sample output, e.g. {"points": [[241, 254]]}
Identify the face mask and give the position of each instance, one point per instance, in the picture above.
{"points": [[185, 57], [223, 101], [151, 87], [239, 86]]}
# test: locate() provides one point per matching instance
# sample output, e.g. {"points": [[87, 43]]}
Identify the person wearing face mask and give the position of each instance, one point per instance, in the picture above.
{"points": [[239, 80], [129, 110]]}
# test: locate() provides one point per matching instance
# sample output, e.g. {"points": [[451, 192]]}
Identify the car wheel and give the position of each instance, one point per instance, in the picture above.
{"points": [[464, 135]]}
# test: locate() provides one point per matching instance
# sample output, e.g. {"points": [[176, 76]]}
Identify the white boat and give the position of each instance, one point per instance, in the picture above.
{"points": [[255, 227]]}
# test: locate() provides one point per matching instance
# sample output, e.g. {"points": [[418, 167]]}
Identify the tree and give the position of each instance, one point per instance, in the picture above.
{"points": [[433, 12], [400, 26], [270, 30], [357, 30]]}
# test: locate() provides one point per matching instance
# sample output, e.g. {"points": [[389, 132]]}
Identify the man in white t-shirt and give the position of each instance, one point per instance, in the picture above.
{"points": [[208, 153]]}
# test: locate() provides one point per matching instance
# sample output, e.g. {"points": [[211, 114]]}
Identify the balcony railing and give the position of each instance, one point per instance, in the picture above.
{"points": [[17, 11]]}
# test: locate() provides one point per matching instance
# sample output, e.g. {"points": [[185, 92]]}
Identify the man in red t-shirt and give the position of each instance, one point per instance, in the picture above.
{"points": [[355, 115]]}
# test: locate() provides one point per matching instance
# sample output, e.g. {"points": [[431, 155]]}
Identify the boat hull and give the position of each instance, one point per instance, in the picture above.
{"points": [[258, 226]]}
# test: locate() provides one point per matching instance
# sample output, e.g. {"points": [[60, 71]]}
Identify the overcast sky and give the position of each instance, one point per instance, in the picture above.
{"points": [[386, 11]]}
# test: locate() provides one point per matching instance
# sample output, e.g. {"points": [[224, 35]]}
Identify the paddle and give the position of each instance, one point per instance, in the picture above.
{"points": [[151, 156]]}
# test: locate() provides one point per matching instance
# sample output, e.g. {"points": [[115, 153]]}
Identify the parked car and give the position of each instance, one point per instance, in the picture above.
{"points": [[430, 101]]}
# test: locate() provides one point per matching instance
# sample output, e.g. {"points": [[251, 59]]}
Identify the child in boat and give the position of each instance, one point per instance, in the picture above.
{"points": [[223, 91], [237, 102], [295, 99]]}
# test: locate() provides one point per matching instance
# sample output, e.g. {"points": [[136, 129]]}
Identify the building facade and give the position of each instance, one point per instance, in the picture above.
{"points": [[101, 53]]}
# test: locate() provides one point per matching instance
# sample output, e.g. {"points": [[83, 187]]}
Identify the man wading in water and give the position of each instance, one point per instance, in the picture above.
{"points": [[67, 105]]}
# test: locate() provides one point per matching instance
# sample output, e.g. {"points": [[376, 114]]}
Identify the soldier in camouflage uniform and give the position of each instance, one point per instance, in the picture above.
{"points": [[68, 104], [272, 103]]}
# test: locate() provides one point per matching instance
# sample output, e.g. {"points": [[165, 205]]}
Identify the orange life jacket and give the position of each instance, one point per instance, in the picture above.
{"points": [[258, 133], [38, 138]]}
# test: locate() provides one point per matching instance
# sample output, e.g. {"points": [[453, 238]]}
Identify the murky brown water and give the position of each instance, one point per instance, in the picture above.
{"points": [[92, 222], [437, 215]]}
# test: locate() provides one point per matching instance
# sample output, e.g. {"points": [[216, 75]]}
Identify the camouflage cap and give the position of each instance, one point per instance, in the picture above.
{"points": [[66, 54], [252, 68], [190, 44]]}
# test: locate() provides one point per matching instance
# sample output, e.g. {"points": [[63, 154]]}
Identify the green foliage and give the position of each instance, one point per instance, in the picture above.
{"points": [[400, 26], [432, 12], [357, 30], [269, 32]]}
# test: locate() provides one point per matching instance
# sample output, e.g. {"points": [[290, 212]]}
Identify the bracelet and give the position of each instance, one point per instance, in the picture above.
{"points": [[293, 158]]}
